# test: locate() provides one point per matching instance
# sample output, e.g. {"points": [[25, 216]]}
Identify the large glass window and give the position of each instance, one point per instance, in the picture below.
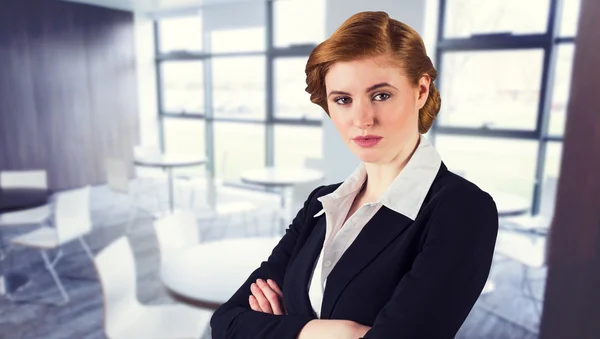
{"points": [[298, 22], [295, 144], [185, 136], [291, 99], [238, 147], [570, 17], [237, 40], [470, 17], [183, 87], [560, 90], [179, 34], [494, 164], [491, 89], [239, 87]]}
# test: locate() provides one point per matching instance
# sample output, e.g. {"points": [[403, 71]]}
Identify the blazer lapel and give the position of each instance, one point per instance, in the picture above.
{"points": [[380, 231], [302, 268]]}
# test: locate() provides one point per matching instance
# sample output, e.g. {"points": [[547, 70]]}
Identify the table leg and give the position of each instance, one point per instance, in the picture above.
{"points": [[286, 193], [171, 203]]}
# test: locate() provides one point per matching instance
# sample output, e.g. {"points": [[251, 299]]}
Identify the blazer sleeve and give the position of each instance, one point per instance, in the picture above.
{"points": [[434, 298], [236, 320]]}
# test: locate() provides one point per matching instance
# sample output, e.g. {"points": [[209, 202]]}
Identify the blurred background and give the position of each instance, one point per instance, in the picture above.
{"points": [[183, 127]]}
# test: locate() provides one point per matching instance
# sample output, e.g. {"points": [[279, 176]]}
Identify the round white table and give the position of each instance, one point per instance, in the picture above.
{"points": [[168, 162], [210, 273], [510, 204], [283, 178]]}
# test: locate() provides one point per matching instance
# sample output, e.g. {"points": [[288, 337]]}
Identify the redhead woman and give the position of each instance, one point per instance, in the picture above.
{"points": [[400, 249]]}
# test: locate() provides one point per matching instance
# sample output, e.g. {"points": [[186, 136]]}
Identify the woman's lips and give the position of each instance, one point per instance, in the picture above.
{"points": [[367, 141]]}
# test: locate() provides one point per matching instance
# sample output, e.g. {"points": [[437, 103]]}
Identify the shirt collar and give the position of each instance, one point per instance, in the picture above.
{"points": [[407, 192]]}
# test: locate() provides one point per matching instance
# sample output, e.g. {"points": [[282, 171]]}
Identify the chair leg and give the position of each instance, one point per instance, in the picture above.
{"points": [[86, 248], [526, 284], [50, 268], [257, 225], [2, 248]]}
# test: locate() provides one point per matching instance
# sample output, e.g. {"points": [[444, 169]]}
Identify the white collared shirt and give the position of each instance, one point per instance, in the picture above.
{"points": [[405, 196]]}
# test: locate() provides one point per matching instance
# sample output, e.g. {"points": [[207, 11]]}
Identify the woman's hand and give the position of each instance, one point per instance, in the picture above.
{"points": [[266, 297], [333, 329]]}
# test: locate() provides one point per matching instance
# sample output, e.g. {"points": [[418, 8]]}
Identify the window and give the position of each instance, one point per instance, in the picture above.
{"points": [[553, 159], [494, 164], [237, 40], [180, 34], [570, 17], [183, 87], [238, 147], [298, 22], [239, 87], [492, 89], [185, 136], [560, 90], [294, 144], [469, 17], [291, 99]]}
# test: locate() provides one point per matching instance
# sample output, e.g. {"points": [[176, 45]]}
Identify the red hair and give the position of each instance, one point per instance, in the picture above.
{"points": [[371, 34]]}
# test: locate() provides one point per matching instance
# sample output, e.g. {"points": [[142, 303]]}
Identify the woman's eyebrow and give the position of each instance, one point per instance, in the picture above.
{"points": [[338, 92], [379, 85], [372, 88]]}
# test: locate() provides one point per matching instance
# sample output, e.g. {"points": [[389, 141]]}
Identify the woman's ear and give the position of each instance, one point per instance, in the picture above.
{"points": [[423, 90]]}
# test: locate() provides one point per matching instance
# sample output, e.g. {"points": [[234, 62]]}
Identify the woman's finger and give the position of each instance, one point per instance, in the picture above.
{"points": [[254, 304], [271, 296], [275, 288], [263, 302]]}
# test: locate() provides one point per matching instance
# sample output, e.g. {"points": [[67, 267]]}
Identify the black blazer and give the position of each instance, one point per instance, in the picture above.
{"points": [[407, 279]]}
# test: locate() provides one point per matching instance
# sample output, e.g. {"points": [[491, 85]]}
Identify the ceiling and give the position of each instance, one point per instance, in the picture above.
{"points": [[156, 6]]}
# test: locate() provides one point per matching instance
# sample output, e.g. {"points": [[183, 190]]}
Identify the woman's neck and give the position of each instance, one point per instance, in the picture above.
{"points": [[381, 176]]}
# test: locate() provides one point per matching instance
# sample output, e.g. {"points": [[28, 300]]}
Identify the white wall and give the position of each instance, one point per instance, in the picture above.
{"points": [[146, 73], [339, 162]]}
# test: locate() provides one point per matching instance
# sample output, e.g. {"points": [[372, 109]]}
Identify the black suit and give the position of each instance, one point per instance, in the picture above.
{"points": [[407, 279]]}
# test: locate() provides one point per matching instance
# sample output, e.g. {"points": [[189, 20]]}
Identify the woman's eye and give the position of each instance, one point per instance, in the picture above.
{"points": [[381, 97], [343, 100]]}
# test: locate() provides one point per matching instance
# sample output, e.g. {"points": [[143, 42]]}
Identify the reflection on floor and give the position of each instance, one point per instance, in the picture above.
{"points": [[505, 313]]}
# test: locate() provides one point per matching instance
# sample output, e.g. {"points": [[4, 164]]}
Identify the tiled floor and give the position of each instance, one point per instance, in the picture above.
{"points": [[505, 313]]}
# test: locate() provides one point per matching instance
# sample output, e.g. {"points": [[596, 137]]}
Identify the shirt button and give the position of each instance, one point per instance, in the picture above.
{"points": [[327, 263]]}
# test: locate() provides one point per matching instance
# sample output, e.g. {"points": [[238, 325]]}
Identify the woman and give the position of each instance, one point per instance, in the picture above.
{"points": [[400, 249]]}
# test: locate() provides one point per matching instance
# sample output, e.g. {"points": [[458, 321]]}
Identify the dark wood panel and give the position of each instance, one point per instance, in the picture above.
{"points": [[19, 142], [572, 306], [68, 91], [112, 76], [61, 90]]}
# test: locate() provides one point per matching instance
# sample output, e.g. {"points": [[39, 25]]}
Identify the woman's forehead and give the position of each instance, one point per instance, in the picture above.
{"points": [[363, 73]]}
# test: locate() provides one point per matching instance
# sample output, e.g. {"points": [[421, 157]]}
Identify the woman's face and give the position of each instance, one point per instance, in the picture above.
{"points": [[374, 107]]}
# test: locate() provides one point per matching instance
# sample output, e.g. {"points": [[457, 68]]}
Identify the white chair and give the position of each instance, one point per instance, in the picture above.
{"points": [[539, 223], [117, 181], [222, 211], [125, 317], [149, 180], [25, 179], [72, 221], [176, 231]]}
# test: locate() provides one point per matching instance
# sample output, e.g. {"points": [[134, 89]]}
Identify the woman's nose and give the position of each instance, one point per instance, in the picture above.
{"points": [[364, 115]]}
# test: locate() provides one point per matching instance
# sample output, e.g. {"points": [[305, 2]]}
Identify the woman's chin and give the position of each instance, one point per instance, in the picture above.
{"points": [[368, 155]]}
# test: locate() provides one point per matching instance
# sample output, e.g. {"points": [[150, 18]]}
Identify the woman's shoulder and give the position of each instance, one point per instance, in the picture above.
{"points": [[453, 187]]}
